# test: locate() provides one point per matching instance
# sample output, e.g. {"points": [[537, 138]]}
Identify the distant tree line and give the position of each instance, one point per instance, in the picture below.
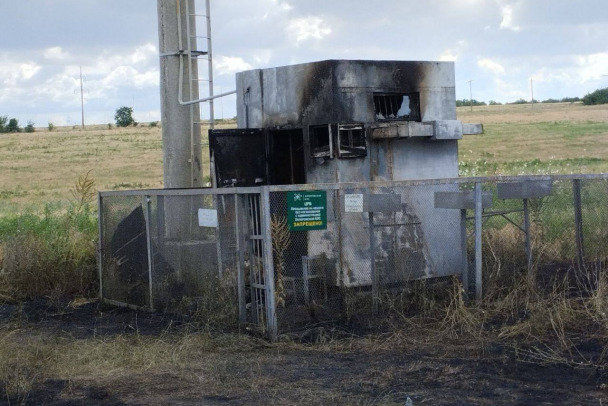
{"points": [[467, 102], [12, 126]]}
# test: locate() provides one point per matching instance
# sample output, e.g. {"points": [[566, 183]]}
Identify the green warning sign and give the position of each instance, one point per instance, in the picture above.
{"points": [[307, 210]]}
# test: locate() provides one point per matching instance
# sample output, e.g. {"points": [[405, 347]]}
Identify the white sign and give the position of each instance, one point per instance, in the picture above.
{"points": [[353, 203], [207, 218]]}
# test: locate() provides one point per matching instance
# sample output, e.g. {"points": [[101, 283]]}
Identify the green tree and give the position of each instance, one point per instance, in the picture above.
{"points": [[3, 123], [124, 117], [13, 126]]}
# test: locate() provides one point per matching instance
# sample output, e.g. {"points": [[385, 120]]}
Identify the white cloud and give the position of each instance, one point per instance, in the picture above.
{"points": [[124, 76], [229, 65], [13, 73], [491, 66], [592, 67], [55, 53], [452, 54], [302, 29], [507, 18]]}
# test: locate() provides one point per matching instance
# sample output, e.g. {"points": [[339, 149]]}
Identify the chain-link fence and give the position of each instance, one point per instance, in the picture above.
{"points": [[282, 258]]}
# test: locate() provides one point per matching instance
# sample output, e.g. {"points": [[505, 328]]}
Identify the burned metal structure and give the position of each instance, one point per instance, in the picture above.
{"points": [[342, 121], [331, 190]]}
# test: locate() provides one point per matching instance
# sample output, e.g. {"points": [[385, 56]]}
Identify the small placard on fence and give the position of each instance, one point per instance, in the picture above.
{"points": [[353, 203], [307, 210], [207, 218]]}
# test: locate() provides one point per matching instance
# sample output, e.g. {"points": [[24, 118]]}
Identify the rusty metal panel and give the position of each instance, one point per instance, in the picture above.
{"points": [[461, 200], [524, 190]]}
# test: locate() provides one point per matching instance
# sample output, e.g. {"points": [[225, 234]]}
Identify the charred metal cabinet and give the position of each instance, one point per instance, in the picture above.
{"points": [[239, 157], [254, 157]]}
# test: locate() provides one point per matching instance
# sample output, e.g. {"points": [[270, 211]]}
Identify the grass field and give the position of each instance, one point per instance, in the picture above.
{"points": [[559, 138], [41, 167], [524, 343]]}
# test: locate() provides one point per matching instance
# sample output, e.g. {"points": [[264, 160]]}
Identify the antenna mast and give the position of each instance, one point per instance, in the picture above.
{"points": [[81, 98]]}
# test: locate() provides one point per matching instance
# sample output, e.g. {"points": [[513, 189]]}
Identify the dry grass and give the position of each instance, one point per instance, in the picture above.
{"points": [[552, 138], [41, 167]]}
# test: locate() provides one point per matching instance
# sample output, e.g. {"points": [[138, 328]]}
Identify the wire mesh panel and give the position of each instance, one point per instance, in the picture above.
{"points": [[124, 251], [306, 266]]}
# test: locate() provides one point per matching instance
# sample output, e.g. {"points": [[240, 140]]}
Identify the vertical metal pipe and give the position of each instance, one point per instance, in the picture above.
{"points": [[338, 204], [160, 221], [149, 246], [305, 279], [372, 255], [210, 65], [271, 315], [218, 233], [478, 262], [578, 222], [240, 252], [100, 248], [463, 248], [527, 232]]}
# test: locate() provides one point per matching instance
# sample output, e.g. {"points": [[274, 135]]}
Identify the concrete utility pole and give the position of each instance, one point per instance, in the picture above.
{"points": [[180, 124], [532, 91], [471, 94]]}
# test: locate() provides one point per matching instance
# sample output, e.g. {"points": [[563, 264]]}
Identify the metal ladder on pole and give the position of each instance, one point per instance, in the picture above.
{"points": [[195, 53], [197, 48]]}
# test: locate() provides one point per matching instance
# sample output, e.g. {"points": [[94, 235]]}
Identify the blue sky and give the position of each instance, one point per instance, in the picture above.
{"points": [[498, 44]]}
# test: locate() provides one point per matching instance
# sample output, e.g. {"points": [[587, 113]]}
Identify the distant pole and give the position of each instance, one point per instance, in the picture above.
{"points": [[471, 94], [81, 98], [532, 91]]}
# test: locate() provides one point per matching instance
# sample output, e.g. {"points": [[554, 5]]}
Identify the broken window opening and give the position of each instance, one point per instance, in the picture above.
{"points": [[351, 141], [321, 143], [397, 106]]}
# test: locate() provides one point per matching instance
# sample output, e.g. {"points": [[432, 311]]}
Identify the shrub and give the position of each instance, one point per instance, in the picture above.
{"points": [[51, 126], [29, 128], [153, 124]]}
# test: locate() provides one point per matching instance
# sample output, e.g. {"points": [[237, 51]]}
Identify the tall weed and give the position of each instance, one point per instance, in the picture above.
{"points": [[50, 253]]}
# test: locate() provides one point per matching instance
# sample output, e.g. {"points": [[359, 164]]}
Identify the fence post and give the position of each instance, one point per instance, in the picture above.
{"points": [[478, 262], [271, 315], [218, 234], [527, 232], [240, 263], [463, 248], [578, 222], [373, 271], [305, 279], [100, 227], [149, 247]]}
